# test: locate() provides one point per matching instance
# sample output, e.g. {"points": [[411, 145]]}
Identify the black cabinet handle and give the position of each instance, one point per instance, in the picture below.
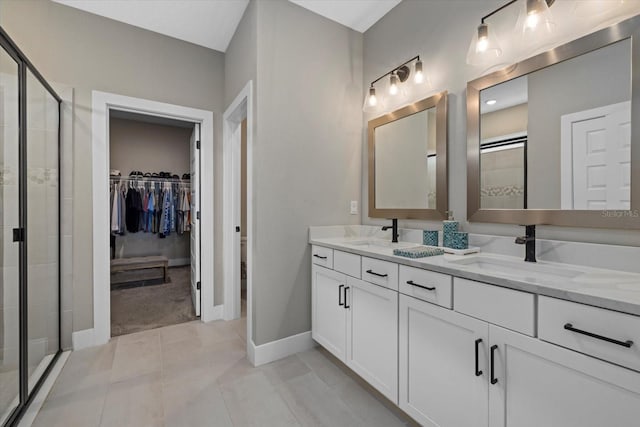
{"points": [[345, 297], [376, 274], [429, 288], [478, 371], [340, 295], [627, 344], [494, 380], [318, 256]]}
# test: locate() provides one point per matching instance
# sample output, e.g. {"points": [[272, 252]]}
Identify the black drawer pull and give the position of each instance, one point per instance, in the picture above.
{"points": [[627, 344], [429, 288], [494, 380], [345, 297], [377, 274], [478, 371], [318, 256], [340, 295]]}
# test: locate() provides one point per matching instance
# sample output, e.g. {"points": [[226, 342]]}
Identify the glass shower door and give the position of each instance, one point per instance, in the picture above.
{"points": [[10, 219], [42, 228]]}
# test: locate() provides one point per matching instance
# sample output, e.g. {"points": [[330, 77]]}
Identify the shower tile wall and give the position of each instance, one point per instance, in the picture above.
{"points": [[502, 179]]}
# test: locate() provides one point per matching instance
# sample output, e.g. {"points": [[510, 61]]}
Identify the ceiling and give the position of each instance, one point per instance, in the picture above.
{"points": [[356, 14], [507, 94], [208, 23], [212, 23]]}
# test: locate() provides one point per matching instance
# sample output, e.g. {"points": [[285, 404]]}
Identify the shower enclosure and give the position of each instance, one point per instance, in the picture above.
{"points": [[30, 219]]}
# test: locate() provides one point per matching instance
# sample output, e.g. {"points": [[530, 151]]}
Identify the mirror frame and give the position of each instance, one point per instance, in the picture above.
{"points": [[630, 219], [439, 101]]}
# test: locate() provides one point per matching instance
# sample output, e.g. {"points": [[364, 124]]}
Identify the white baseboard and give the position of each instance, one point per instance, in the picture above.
{"points": [[266, 353], [179, 262], [83, 339], [216, 314]]}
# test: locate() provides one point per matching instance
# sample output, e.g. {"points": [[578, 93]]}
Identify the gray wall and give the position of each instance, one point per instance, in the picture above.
{"points": [[307, 154], [504, 122], [88, 52], [150, 147], [597, 79], [440, 32]]}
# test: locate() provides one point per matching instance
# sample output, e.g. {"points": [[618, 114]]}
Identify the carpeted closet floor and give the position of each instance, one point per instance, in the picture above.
{"points": [[149, 307]]}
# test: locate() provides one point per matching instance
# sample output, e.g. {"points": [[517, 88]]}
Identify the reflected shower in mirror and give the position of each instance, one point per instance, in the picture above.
{"points": [[560, 137], [405, 162]]}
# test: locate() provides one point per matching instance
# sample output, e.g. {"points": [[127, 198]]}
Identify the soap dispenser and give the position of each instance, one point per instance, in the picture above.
{"points": [[449, 228]]}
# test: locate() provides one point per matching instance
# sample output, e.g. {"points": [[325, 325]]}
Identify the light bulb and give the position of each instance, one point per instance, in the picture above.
{"points": [[532, 20], [393, 84], [419, 77], [373, 101], [483, 38], [482, 45]]}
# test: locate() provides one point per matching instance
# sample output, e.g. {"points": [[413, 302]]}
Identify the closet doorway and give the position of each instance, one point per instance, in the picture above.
{"points": [[154, 217], [103, 104]]}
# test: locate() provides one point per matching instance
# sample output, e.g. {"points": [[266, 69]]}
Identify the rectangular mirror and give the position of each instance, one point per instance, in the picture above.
{"points": [[408, 161], [550, 138]]}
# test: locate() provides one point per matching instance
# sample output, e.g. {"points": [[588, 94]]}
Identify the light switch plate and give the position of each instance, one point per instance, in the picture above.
{"points": [[354, 207]]}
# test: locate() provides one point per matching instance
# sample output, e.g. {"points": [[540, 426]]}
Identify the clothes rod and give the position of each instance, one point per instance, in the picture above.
{"points": [[149, 179]]}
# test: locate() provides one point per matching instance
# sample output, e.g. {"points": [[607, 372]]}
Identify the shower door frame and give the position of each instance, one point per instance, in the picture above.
{"points": [[24, 397]]}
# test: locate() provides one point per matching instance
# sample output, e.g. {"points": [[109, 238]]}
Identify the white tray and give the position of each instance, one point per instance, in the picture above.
{"points": [[471, 250]]}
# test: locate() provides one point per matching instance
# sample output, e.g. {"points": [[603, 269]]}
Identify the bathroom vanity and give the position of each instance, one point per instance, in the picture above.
{"points": [[480, 340]]}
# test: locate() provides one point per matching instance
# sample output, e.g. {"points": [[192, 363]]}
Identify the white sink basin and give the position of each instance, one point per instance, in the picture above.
{"points": [[379, 243], [522, 270]]}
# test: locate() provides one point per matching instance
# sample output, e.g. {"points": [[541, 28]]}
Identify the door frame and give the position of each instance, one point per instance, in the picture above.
{"points": [[102, 103], [241, 108]]}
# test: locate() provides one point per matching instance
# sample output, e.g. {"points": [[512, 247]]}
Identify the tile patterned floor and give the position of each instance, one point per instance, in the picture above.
{"points": [[197, 374]]}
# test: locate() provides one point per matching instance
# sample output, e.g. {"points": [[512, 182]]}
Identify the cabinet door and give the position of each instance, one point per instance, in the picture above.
{"points": [[541, 384], [441, 384], [328, 315], [372, 335]]}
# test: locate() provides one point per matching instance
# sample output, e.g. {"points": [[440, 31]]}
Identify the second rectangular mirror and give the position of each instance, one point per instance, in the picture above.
{"points": [[551, 138]]}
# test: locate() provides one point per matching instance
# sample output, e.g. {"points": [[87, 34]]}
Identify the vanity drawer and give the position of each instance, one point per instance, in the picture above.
{"points": [[383, 273], [504, 307], [557, 317], [346, 263], [426, 285], [322, 256]]}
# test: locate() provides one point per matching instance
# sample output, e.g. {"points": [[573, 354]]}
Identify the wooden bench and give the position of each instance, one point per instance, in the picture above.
{"points": [[141, 263]]}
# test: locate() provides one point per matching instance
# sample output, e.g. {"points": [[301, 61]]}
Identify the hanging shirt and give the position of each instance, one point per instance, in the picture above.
{"points": [[115, 198]]}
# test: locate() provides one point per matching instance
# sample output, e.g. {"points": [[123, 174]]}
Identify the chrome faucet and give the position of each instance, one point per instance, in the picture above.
{"points": [[394, 230], [529, 240]]}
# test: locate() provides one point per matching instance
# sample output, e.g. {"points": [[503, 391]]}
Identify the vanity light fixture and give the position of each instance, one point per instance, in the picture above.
{"points": [[485, 46], [397, 77]]}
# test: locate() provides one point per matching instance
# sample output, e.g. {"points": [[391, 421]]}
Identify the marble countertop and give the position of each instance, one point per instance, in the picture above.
{"points": [[608, 289]]}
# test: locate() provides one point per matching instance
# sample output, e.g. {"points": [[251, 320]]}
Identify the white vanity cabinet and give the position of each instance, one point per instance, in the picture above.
{"points": [[372, 335], [443, 365], [541, 384], [452, 352], [357, 322], [328, 315]]}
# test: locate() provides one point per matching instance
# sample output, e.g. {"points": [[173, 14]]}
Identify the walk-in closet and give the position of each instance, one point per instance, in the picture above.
{"points": [[153, 184]]}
